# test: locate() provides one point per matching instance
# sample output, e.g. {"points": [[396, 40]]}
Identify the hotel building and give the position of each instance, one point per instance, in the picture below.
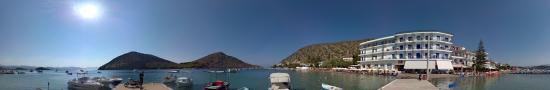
{"points": [[407, 51]]}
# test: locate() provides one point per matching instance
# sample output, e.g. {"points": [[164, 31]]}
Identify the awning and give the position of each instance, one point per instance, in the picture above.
{"points": [[444, 65], [441, 65], [418, 65]]}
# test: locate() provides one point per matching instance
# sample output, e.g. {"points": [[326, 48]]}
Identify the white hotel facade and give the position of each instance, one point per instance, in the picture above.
{"points": [[407, 51]]}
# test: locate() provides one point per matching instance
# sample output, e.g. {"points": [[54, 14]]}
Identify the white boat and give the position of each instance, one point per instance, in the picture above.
{"points": [[174, 71], [184, 82], [279, 81], [84, 83], [169, 79], [243, 88], [330, 87]]}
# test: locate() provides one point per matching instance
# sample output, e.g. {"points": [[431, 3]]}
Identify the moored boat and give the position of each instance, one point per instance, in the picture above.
{"points": [[85, 83], [184, 82], [279, 81], [217, 85], [330, 87]]}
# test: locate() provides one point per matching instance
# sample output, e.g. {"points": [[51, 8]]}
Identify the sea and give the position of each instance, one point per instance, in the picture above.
{"points": [[258, 79]]}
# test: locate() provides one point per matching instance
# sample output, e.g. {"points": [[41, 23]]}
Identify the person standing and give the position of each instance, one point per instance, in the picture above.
{"points": [[141, 80]]}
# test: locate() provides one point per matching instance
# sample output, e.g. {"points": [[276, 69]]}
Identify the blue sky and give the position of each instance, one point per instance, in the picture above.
{"points": [[263, 32]]}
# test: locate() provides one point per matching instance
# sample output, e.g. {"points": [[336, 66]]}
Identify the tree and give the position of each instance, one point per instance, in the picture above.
{"points": [[481, 57], [356, 59]]}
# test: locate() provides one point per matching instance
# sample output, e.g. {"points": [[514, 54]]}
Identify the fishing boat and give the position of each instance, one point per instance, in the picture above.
{"points": [[330, 87], [217, 85], [184, 82], [279, 81]]}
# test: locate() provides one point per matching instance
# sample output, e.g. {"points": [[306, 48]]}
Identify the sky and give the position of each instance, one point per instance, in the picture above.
{"points": [[59, 33]]}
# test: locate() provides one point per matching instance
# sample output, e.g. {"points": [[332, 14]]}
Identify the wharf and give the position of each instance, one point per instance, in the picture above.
{"points": [[409, 84], [150, 86]]}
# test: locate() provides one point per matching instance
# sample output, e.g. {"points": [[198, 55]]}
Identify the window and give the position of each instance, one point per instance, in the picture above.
{"points": [[410, 39], [446, 56], [437, 55], [418, 56], [401, 47], [426, 55], [438, 38], [410, 56], [401, 56], [447, 39], [446, 47], [409, 47], [426, 38], [418, 38], [393, 56], [426, 46], [437, 46], [401, 39], [418, 46]]}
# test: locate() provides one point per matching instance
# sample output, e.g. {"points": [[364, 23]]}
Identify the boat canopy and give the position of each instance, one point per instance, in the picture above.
{"points": [[279, 77]]}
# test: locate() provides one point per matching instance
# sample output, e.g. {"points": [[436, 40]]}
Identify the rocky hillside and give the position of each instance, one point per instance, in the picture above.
{"points": [[217, 60], [136, 60], [324, 51]]}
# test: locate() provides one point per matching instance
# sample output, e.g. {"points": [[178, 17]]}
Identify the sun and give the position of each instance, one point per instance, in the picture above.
{"points": [[88, 10]]}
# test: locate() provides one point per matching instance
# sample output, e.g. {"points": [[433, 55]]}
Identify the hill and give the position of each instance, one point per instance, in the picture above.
{"points": [[324, 52], [217, 60], [136, 60]]}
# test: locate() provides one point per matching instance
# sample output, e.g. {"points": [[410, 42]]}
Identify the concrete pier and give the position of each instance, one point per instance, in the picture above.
{"points": [[150, 86], [409, 84]]}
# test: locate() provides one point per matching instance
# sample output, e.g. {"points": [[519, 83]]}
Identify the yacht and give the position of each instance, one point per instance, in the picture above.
{"points": [[279, 81]]}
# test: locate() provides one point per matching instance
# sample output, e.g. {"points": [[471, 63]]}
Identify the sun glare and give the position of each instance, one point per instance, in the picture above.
{"points": [[88, 10]]}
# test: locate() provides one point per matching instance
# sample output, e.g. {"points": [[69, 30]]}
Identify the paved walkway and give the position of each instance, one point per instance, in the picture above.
{"points": [[409, 84], [150, 86]]}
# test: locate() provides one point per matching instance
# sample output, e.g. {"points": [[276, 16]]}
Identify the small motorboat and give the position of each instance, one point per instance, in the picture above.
{"points": [[18, 72], [115, 81], [169, 79], [217, 85], [174, 71], [330, 87], [279, 81], [39, 71], [184, 82], [243, 88], [84, 83]]}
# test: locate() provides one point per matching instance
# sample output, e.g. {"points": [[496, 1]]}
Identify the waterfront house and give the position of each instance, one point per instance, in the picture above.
{"points": [[462, 59], [407, 51]]}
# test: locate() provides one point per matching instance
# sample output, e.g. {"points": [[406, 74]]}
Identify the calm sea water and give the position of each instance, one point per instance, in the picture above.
{"points": [[258, 80]]}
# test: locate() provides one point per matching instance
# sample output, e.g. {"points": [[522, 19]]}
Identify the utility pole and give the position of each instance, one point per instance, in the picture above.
{"points": [[428, 58]]}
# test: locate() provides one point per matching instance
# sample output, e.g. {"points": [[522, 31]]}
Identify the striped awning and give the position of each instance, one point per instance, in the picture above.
{"points": [[441, 65]]}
